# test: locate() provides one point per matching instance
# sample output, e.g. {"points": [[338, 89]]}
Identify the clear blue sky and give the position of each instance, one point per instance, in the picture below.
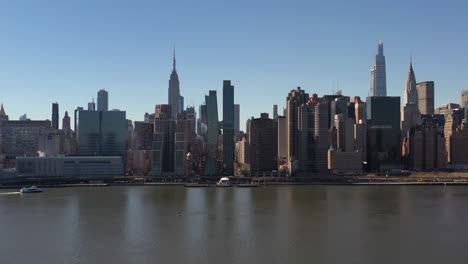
{"points": [[66, 51]]}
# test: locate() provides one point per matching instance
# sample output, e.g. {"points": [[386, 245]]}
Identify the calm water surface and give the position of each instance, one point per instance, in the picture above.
{"points": [[283, 224]]}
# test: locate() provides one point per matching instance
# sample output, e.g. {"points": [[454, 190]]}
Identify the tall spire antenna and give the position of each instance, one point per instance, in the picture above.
{"points": [[174, 61]]}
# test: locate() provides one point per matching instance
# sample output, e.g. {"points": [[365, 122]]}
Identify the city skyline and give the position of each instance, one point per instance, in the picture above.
{"points": [[174, 78], [233, 131], [174, 83], [318, 60]]}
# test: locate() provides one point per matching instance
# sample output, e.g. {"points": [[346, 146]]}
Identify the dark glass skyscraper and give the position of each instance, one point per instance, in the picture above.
{"points": [[378, 74], [236, 119], [103, 100], [55, 115], [163, 142], [102, 133], [383, 133], [228, 128], [212, 134]]}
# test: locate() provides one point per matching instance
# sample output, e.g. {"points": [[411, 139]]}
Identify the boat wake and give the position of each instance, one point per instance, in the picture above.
{"points": [[5, 193]]}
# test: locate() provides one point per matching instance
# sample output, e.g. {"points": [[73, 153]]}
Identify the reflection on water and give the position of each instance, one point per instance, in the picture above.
{"points": [[275, 224]]}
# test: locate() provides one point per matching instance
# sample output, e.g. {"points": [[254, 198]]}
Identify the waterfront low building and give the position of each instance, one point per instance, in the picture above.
{"points": [[340, 162], [22, 138], [69, 166]]}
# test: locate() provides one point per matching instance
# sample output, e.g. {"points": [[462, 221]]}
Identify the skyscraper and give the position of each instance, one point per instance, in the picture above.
{"points": [[174, 90], [103, 100], [66, 124], [306, 141], [55, 115], [236, 119], [102, 133], [322, 143], [424, 147], [359, 110], [294, 100], [202, 121], [180, 144], [263, 145], [114, 127], [191, 116], [344, 133], [411, 92], [228, 128], [181, 104], [75, 119], [378, 74], [163, 111], [144, 135], [162, 161], [456, 136], [282, 140], [426, 97], [92, 106], [453, 123], [69, 141], [170, 141], [339, 106], [464, 98], [410, 115], [275, 112], [383, 133], [212, 134]]}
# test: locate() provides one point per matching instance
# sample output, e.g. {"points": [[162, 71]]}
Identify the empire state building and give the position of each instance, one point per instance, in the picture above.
{"points": [[174, 90], [378, 74]]}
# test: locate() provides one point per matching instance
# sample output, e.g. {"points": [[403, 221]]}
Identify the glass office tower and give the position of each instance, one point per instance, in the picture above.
{"points": [[383, 133], [102, 133], [212, 134], [228, 128]]}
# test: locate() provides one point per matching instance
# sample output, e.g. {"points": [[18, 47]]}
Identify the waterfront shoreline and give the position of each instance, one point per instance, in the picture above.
{"points": [[186, 184], [415, 179]]}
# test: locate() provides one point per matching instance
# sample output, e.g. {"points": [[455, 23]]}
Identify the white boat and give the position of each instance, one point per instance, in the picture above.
{"points": [[32, 189], [223, 182]]}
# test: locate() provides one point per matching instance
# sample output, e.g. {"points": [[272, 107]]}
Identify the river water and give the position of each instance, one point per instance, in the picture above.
{"points": [[274, 224]]}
